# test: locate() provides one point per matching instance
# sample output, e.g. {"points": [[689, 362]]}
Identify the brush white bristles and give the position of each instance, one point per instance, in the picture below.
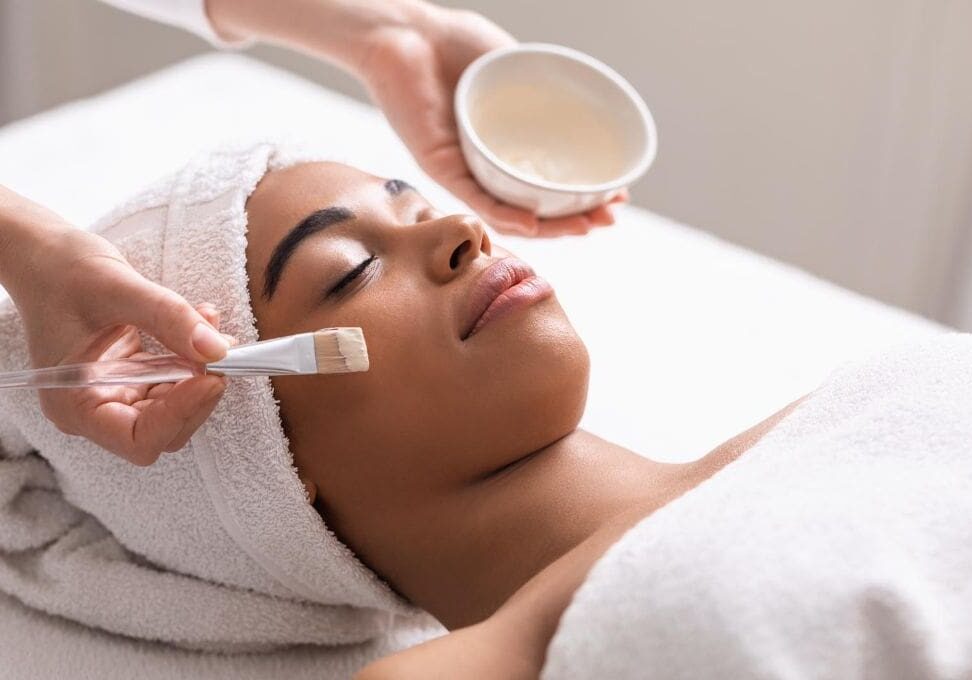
{"points": [[340, 350]]}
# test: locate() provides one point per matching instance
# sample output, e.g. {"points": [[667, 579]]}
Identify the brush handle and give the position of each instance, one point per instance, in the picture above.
{"points": [[160, 369]]}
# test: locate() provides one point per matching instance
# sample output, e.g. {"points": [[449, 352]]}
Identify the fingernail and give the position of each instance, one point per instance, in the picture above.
{"points": [[208, 341]]}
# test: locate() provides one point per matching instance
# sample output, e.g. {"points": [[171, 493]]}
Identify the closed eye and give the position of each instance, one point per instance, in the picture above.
{"points": [[350, 277]]}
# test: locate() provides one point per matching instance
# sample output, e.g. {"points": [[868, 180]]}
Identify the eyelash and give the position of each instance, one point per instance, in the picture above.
{"points": [[350, 276]]}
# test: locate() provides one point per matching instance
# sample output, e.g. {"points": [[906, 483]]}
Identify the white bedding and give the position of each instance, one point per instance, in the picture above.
{"points": [[837, 547], [692, 339]]}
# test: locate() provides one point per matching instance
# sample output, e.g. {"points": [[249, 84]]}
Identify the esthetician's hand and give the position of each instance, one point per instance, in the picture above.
{"points": [[81, 301], [411, 71], [409, 54]]}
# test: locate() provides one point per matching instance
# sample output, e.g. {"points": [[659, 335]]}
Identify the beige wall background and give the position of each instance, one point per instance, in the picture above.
{"points": [[834, 135]]}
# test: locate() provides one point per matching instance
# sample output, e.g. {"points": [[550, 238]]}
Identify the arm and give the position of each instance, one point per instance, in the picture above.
{"points": [[79, 300], [188, 14], [512, 643], [409, 54], [478, 652]]}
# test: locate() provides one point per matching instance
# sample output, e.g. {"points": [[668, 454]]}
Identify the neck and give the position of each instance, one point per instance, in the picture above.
{"points": [[465, 553], [473, 549]]}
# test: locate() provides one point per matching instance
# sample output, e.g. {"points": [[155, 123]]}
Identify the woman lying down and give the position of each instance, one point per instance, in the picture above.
{"points": [[830, 540]]}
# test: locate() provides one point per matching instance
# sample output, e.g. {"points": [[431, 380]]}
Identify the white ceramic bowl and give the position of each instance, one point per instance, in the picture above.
{"points": [[521, 109]]}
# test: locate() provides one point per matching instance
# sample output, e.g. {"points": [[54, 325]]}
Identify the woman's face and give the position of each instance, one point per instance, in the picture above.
{"points": [[440, 408]]}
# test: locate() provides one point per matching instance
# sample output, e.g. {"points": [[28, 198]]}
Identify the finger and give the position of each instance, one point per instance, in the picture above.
{"points": [[208, 311], [447, 165], [503, 217], [66, 407], [167, 316], [177, 414], [212, 315], [156, 392], [601, 216], [621, 197], [128, 345], [572, 225], [443, 160], [140, 434], [198, 417]]}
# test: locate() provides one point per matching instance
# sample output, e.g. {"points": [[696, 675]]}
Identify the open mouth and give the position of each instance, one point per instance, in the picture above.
{"points": [[504, 287]]}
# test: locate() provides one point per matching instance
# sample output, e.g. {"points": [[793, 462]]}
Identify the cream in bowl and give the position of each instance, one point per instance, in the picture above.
{"points": [[551, 129]]}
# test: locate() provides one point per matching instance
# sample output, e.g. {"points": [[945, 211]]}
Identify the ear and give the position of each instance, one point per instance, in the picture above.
{"points": [[310, 487]]}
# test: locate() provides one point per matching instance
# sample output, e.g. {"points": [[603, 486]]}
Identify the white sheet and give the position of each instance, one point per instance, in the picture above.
{"points": [[836, 547], [692, 339]]}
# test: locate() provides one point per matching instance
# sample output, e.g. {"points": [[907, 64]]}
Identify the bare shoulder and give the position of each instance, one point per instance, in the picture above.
{"points": [[512, 643], [731, 449], [479, 651]]}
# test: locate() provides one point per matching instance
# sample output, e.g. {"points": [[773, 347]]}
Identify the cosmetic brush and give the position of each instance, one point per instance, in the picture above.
{"points": [[329, 350]]}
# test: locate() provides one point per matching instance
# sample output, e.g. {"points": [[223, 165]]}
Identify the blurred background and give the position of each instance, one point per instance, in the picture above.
{"points": [[833, 135]]}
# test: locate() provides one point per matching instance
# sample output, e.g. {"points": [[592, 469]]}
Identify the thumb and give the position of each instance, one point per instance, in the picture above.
{"points": [[166, 316]]}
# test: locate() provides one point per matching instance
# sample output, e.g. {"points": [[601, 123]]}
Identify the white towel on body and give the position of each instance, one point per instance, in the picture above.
{"points": [[214, 547], [837, 547]]}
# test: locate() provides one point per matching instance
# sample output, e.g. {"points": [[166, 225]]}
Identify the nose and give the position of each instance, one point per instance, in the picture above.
{"points": [[452, 243]]}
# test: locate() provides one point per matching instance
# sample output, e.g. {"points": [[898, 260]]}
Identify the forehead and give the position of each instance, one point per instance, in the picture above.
{"points": [[284, 197]]}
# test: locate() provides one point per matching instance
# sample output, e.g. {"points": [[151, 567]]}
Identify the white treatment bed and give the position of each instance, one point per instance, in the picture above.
{"points": [[692, 339]]}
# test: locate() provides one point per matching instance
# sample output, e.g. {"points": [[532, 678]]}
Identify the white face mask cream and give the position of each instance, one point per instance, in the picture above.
{"points": [[551, 131]]}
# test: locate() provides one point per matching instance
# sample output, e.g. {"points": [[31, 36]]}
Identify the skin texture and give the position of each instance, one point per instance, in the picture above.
{"points": [[440, 414], [453, 468]]}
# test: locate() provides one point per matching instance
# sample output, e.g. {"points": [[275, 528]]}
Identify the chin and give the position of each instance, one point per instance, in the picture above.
{"points": [[573, 369], [544, 372]]}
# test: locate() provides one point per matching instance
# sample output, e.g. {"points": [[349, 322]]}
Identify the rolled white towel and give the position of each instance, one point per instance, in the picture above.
{"points": [[837, 547]]}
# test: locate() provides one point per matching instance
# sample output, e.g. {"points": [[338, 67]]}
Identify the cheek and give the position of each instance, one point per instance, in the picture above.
{"points": [[356, 431], [431, 410], [450, 411]]}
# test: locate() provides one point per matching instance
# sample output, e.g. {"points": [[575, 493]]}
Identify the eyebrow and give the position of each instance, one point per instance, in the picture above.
{"points": [[317, 221], [397, 186], [310, 225]]}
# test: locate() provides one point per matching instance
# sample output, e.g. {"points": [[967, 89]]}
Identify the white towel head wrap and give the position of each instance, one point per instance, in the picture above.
{"points": [[215, 546]]}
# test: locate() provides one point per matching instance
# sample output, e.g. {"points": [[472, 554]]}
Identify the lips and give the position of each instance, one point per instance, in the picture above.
{"points": [[506, 285]]}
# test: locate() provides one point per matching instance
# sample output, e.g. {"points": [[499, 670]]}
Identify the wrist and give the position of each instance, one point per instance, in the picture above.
{"points": [[26, 231], [341, 31]]}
